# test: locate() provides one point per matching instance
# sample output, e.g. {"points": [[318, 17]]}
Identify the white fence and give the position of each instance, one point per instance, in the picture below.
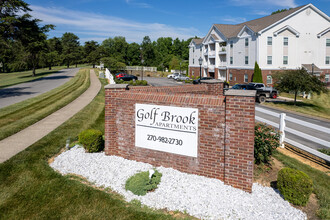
{"points": [[140, 68], [109, 76], [281, 126]]}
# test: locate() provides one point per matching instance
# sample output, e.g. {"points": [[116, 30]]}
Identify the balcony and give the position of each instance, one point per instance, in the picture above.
{"points": [[206, 52], [222, 65], [211, 67], [212, 53], [222, 51]]}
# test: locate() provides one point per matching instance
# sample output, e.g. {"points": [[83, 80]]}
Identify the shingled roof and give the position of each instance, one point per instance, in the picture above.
{"points": [[198, 40], [230, 30]]}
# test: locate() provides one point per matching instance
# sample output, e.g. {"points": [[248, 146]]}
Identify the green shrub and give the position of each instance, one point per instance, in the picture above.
{"points": [[92, 140], [188, 81], [294, 185], [266, 140], [140, 184]]}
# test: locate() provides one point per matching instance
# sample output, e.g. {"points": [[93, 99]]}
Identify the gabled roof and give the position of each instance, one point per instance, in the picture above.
{"points": [[255, 25], [214, 37], [198, 41]]}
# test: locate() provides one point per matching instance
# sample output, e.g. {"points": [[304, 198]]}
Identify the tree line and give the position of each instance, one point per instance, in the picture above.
{"points": [[24, 45]]}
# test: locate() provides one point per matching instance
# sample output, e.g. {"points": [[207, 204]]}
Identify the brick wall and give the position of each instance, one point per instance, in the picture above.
{"points": [[225, 129]]}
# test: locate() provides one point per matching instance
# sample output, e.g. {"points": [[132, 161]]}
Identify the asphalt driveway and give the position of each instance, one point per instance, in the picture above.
{"points": [[23, 91]]}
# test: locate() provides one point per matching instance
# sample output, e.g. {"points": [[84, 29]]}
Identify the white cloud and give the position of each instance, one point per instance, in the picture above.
{"points": [[233, 20], [106, 26], [282, 3], [263, 13], [138, 4]]}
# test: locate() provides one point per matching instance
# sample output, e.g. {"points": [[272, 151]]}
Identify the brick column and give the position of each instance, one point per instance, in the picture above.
{"points": [[215, 87], [111, 92], [239, 140]]}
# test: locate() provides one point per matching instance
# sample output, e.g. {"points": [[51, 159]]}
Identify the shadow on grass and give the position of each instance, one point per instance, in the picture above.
{"points": [[298, 104]]}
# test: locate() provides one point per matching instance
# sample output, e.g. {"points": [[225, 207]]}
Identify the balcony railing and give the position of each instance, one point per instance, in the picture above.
{"points": [[222, 50], [212, 53], [206, 52]]}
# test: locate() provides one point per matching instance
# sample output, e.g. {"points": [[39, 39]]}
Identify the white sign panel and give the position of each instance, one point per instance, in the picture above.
{"points": [[167, 128]]}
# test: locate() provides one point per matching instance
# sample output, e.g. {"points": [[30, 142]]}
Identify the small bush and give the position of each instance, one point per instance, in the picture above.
{"points": [[92, 140], [266, 140], [294, 185], [188, 81], [140, 184]]}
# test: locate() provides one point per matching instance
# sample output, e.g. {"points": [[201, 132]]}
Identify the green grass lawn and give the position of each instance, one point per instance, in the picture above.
{"points": [[18, 116], [318, 106], [10, 79], [30, 189], [320, 182]]}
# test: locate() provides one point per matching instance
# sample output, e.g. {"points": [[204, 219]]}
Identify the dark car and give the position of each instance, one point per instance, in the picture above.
{"points": [[198, 81], [128, 77]]}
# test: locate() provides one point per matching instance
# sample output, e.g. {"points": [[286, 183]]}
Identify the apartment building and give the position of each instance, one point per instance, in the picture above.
{"points": [[299, 37]]}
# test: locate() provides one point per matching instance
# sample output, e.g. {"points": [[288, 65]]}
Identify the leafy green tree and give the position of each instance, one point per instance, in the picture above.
{"points": [[148, 51], [10, 13], [280, 10], [113, 64], [115, 47], [298, 81], [133, 54], [257, 75], [33, 38], [174, 63], [51, 55], [70, 45], [92, 52]]}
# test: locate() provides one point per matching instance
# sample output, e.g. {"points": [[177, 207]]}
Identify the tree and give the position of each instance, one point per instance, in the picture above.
{"points": [[33, 38], [257, 75], [51, 55], [113, 64], [298, 81], [70, 45], [280, 10], [133, 54], [147, 51], [10, 13], [92, 52]]}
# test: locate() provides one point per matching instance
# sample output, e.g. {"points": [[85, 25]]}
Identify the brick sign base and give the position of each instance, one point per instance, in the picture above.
{"points": [[225, 129]]}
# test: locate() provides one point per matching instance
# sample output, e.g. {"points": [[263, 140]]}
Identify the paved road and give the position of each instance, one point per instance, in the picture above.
{"points": [[306, 129], [23, 91], [162, 81]]}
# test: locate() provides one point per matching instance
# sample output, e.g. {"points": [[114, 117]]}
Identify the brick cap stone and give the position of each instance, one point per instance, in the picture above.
{"points": [[116, 86], [211, 81], [239, 92]]}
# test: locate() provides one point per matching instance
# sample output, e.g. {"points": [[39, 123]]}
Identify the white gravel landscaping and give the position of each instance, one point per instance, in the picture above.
{"points": [[199, 196]]}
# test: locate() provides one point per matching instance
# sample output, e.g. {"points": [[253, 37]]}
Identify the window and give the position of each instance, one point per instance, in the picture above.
{"points": [[193, 61], [200, 49], [231, 60], [246, 59], [328, 43], [269, 59], [193, 49], [246, 78], [285, 41], [285, 60], [235, 78], [327, 60], [269, 79], [327, 77], [231, 76], [269, 41], [231, 44], [193, 73], [246, 42]]}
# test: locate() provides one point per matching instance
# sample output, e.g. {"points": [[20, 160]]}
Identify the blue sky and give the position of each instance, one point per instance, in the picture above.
{"points": [[134, 19]]}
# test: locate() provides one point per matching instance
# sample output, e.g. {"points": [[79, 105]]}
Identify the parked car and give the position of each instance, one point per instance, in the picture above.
{"points": [[128, 77], [171, 76], [198, 81], [182, 77], [118, 75], [262, 93]]}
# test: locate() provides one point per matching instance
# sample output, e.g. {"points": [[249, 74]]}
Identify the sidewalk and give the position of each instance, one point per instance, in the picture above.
{"points": [[16, 143]]}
